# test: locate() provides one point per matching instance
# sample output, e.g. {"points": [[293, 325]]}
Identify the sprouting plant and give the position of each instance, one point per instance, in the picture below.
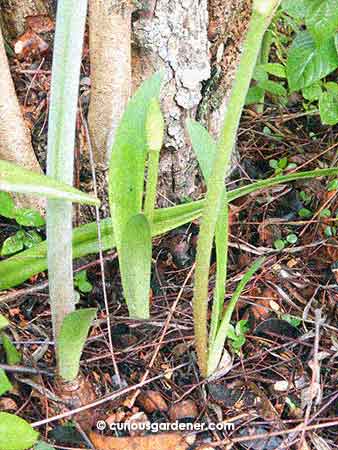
{"points": [[82, 283], [280, 244], [236, 334], [281, 165]]}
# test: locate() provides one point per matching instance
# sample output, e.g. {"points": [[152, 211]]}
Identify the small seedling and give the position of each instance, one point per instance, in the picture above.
{"points": [[280, 244], [305, 213], [81, 282], [281, 165], [236, 334]]}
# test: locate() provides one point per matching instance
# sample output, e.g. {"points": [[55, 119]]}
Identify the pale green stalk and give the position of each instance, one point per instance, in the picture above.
{"points": [[70, 25], [258, 25], [154, 131]]}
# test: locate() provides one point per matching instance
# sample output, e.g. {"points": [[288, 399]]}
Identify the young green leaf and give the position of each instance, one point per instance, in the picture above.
{"points": [[278, 70], [12, 244], [217, 347], [328, 107], [273, 87], [135, 265], [322, 19], [72, 338], [82, 283], [5, 384], [204, 146], [254, 95], [17, 179], [13, 357], [7, 206], [128, 156], [312, 92], [307, 62], [279, 244], [16, 433], [29, 218]]}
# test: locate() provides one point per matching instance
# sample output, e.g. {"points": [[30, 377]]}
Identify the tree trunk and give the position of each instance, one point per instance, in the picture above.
{"points": [[197, 43]]}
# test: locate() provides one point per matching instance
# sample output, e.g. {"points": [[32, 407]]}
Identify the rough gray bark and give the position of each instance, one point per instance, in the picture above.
{"points": [[197, 44]]}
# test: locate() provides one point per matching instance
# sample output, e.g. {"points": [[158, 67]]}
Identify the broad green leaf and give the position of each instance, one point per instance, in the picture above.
{"points": [[17, 179], [312, 92], [128, 156], [217, 347], [28, 263], [322, 19], [135, 265], [16, 433], [7, 206], [273, 87], [260, 74], [255, 95], [29, 218], [72, 338], [12, 244], [3, 322], [328, 108], [204, 146], [308, 63], [295, 8], [13, 357], [5, 384], [278, 70]]}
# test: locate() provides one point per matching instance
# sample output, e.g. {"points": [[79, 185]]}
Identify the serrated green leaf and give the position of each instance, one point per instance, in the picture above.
{"points": [[71, 340], [128, 156], [254, 95], [13, 357], [5, 384], [16, 433], [135, 265], [308, 63], [7, 206], [328, 108], [29, 218], [12, 245], [204, 146], [278, 70], [312, 92], [295, 8], [16, 179], [3, 322], [322, 19]]}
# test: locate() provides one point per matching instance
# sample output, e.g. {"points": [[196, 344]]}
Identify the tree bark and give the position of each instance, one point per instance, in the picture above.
{"points": [[197, 43], [110, 62]]}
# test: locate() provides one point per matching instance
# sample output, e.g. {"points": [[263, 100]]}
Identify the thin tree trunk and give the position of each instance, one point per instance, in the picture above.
{"points": [[15, 140], [110, 62]]}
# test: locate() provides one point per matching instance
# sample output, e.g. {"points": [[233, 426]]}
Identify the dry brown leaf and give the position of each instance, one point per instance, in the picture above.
{"points": [[152, 401], [40, 24], [7, 404], [181, 410], [164, 441], [30, 44]]}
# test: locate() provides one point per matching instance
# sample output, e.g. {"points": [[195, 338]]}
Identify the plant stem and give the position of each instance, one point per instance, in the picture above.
{"points": [[257, 28], [71, 16]]}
